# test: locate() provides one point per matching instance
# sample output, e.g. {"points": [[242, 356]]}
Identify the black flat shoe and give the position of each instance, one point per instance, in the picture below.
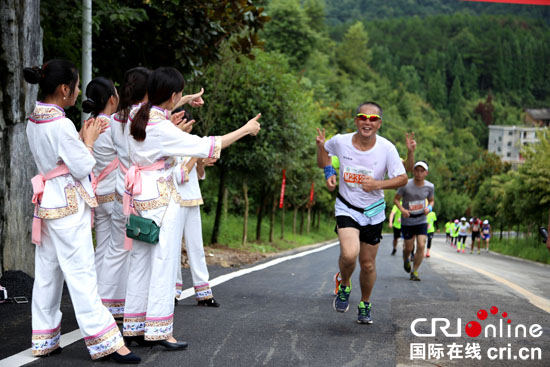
{"points": [[57, 350], [139, 340], [129, 358], [172, 346], [210, 302]]}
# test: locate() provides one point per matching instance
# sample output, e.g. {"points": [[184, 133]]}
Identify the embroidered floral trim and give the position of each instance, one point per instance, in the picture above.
{"points": [[46, 113], [91, 201], [156, 115], [159, 329], [61, 212], [115, 307], [217, 147], [134, 325], [179, 289], [203, 292], [192, 202], [45, 341], [179, 200], [109, 341], [107, 198], [118, 197], [105, 119], [162, 200]]}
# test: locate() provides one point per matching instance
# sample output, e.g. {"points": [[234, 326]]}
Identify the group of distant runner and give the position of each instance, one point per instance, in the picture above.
{"points": [[456, 232]]}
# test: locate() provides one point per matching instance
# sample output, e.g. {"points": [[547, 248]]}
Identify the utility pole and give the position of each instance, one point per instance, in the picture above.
{"points": [[86, 46]]}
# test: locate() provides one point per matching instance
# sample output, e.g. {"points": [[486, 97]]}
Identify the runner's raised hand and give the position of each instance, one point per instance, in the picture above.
{"points": [[320, 139], [411, 143]]}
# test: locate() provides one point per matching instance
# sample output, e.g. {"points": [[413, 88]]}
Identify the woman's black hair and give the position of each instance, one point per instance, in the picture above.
{"points": [[162, 83], [134, 88], [98, 92], [52, 74]]}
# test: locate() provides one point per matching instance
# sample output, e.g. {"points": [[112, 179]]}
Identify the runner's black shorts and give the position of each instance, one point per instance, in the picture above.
{"points": [[370, 234], [475, 235], [396, 233], [410, 231]]}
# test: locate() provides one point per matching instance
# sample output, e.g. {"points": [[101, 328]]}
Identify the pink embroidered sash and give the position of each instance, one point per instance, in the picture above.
{"points": [[38, 183], [106, 171], [132, 185]]}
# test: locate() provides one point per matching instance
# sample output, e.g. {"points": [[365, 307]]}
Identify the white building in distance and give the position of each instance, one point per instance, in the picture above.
{"points": [[507, 141]]}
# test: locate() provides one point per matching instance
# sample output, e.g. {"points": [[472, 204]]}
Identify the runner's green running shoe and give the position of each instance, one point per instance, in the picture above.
{"points": [[363, 313], [407, 265], [341, 301], [414, 276]]}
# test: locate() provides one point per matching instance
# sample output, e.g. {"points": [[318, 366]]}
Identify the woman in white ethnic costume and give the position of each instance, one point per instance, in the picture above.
{"points": [[64, 197], [101, 103], [113, 277], [187, 174], [153, 145]]}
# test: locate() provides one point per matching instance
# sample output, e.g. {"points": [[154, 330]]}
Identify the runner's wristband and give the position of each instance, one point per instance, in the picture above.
{"points": [[329, 171], [430, 208]]}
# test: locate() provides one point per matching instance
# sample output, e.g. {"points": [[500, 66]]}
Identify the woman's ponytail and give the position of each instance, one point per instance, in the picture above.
{"points": [[139, 122]]}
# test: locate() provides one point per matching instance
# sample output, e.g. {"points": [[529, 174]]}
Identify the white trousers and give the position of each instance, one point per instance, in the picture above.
{"points": [[149, 308], [192, 232], [67, 253], [102, 225], [113, 276]]}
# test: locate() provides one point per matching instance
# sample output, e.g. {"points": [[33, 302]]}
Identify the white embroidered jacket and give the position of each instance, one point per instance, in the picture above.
{"points": [[53, 140], [104, 154], [165, 141], [119, 135], [188, 189]]}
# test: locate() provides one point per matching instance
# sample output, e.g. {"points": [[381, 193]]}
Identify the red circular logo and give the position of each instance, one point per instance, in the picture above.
{"points": [[482, 314], [473, 329]]}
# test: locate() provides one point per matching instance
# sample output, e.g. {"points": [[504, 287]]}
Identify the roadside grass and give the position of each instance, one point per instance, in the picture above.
{"points": [[231, 231], [530, 248]]}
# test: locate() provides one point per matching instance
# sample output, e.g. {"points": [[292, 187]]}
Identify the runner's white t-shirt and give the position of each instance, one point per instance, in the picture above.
{"points": [[355, 165]]}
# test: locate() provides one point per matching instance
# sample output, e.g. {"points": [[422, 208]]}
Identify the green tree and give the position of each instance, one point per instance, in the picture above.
{"points": [[186, 35], [239, 91], [456, 100], [437, 91], [289, 33], [352, 55]]}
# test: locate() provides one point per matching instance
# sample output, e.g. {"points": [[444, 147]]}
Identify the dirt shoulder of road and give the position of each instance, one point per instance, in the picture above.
{"points": [[233, 258], [226, 257]]}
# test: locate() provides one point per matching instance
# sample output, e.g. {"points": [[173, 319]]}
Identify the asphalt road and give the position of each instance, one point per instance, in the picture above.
{"points": [[283, 316]]}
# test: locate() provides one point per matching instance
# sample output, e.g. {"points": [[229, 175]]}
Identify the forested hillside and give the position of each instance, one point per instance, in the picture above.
{"points": [[344, 11]]}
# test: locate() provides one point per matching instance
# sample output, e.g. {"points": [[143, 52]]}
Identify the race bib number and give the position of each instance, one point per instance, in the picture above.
{"points": [[416, 206], [353, 177]]}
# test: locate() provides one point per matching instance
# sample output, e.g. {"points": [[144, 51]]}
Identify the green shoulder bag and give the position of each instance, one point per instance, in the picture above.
{"points": [[142, 229]]}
